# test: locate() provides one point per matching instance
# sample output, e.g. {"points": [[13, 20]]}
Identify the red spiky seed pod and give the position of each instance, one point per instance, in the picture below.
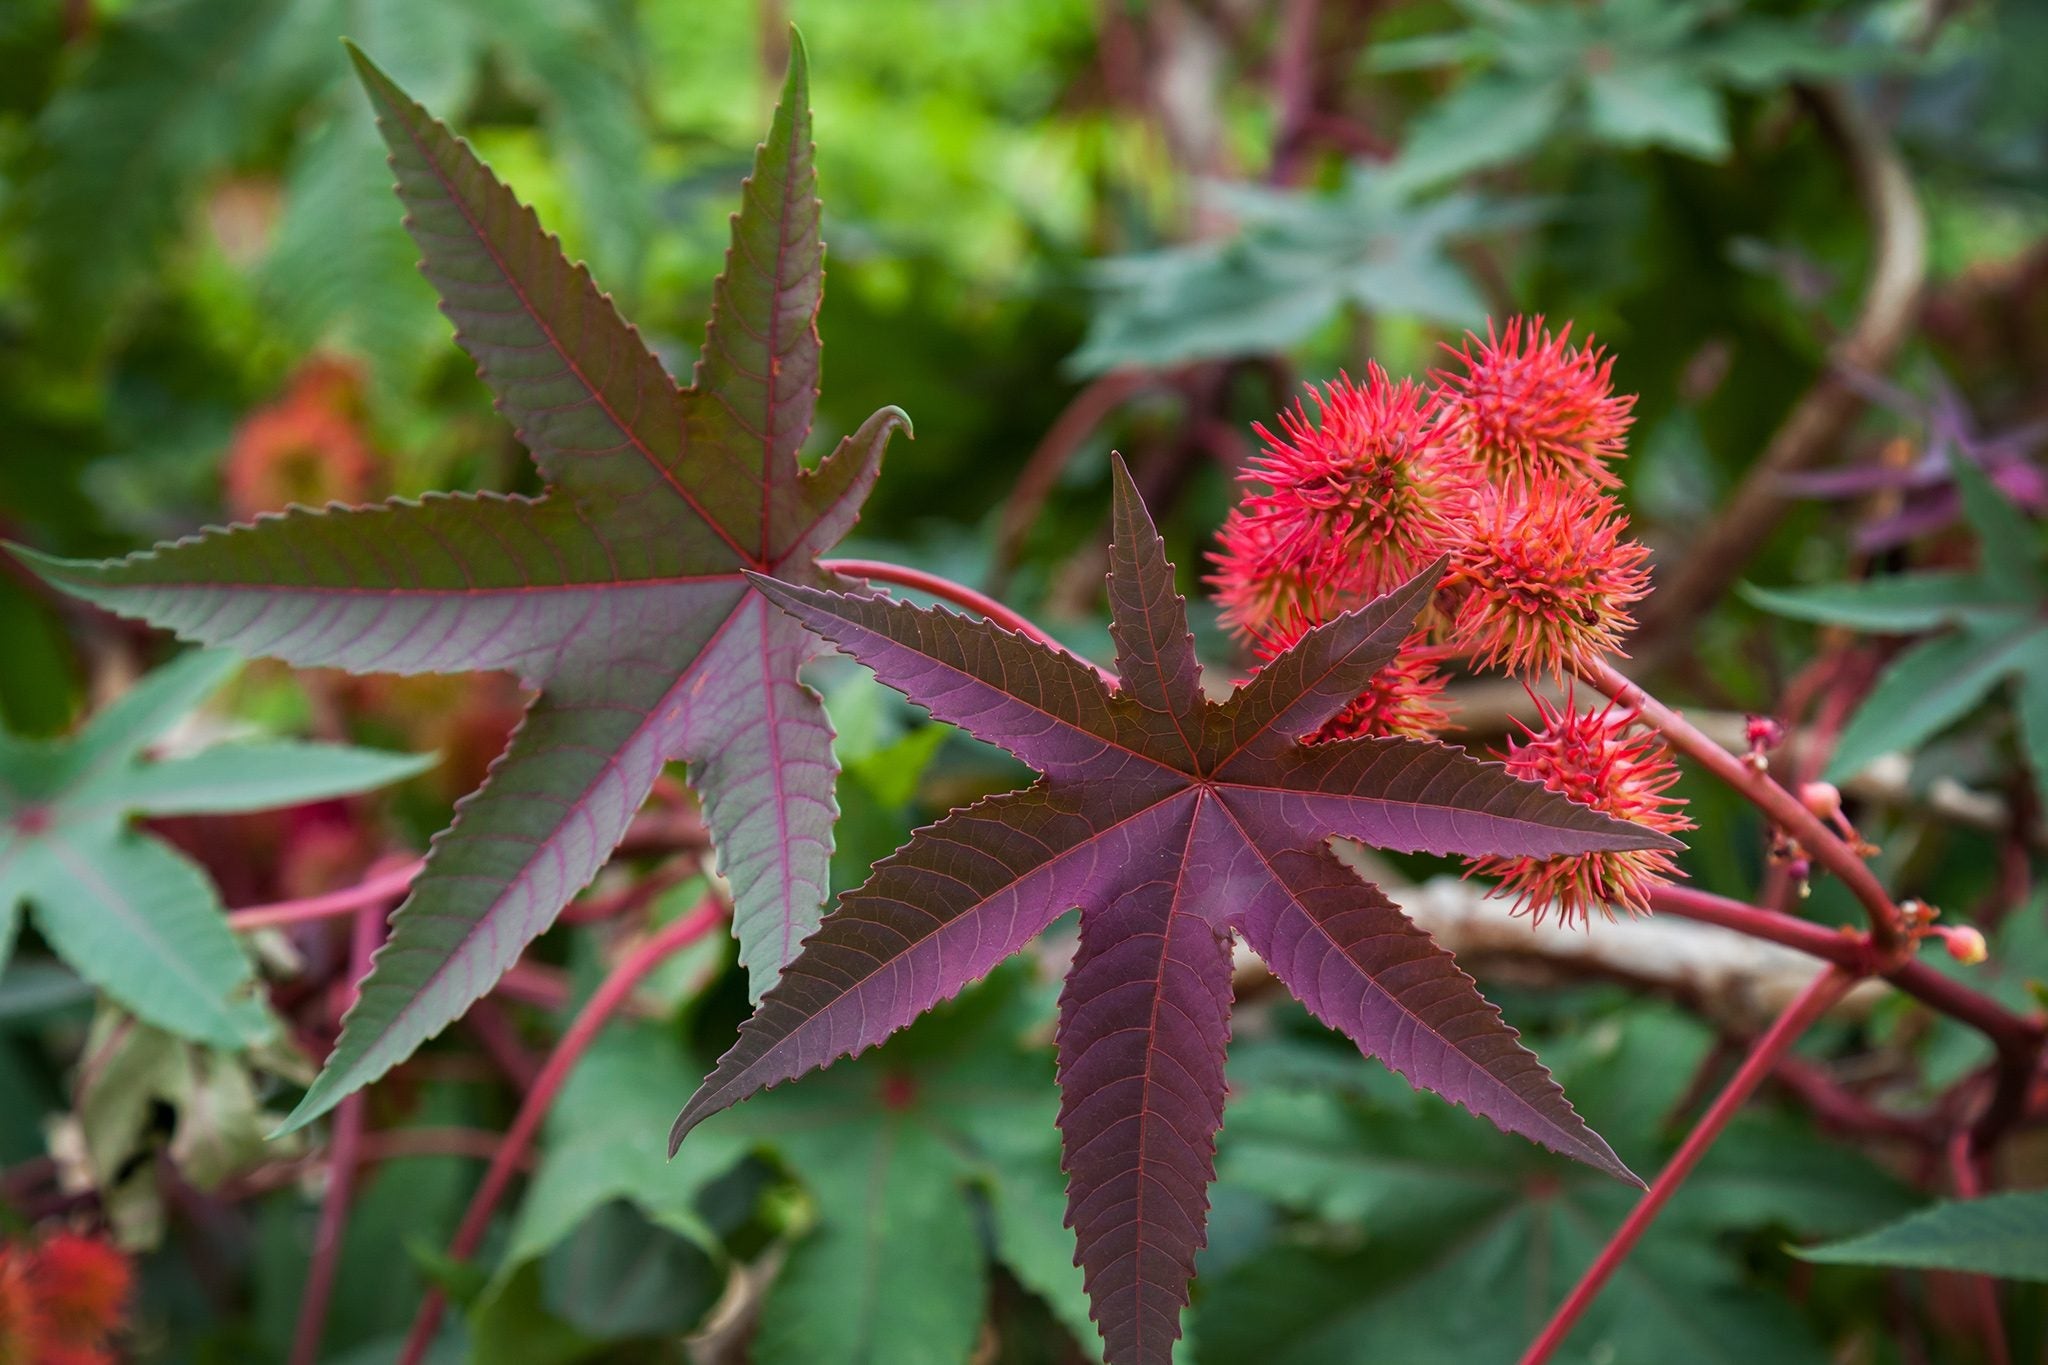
{"points": [[1542, 583], [82, 1286], [23, 1331], [1524, 403], [1404, 700], [306, 447], [1356, 498], [1596, 758]]}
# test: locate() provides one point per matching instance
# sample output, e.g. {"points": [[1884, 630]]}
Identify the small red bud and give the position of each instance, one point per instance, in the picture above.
{"points": [[1964, 944], [1824, 799]]}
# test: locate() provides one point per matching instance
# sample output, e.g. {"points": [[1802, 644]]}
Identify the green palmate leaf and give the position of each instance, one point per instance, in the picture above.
{"points": [[893, 1150], [234, 777], [1932, 685], [604, 1143], [1999, 632], [1488, 121], [143, 924], [128, 913], [2004, 1235], [894, 1272], [619, 596], [1896, 606], [1452, 1218], [1657, 105], [2008, 545], [2033, 709], [1297, 259]]}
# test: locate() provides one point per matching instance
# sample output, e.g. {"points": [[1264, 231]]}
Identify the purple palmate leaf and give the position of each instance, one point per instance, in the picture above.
{"points": [[619, 596], [1171, 822]]}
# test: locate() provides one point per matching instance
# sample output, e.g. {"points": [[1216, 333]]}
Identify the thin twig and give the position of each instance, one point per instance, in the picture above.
{"points": [[1962, 1165], [960, 595], [603, 1003], [383, 887], [1813, 1002], [1086, 411], [346, 1153], [1787, 811]]}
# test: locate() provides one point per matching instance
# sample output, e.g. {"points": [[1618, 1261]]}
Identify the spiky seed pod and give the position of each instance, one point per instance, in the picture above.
{"points": [[1524, 403], [1542, 583], [1404, 700], [82, 1285], [1356, 498], [1598, 759]]}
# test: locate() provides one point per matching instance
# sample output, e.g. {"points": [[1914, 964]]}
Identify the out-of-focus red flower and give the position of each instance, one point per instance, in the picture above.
{"points": [[1524, 403], [308, 447], [1596, 759], [1356, 499], [22, 1328], [1542, 582], [62, 1300], [1403, 700]]}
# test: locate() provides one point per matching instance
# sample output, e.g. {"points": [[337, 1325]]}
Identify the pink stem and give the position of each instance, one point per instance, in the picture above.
{"points": [[1786, 810], [2018, 1037], [1962, 1161], [383, 887], [344, 1158], [1825, 989], [611, 994], [960, 595]]}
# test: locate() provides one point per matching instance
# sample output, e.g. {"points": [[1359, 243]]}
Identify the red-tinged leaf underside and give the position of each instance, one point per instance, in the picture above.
{"points": [[619, 595], [1171, 822]]}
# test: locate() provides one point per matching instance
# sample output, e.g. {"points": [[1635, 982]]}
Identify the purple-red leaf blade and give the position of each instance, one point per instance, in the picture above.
{"points": [[586, 396], [938, 913], [756, 384], [1044, 706], [1413, 795], [1292, 695], [1155, 655], [1348, 953], [1144, 1020]]}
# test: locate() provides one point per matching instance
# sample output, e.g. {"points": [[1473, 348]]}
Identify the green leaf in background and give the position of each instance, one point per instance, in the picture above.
{"points": [[1298, 257], [1999, 632], [1427, 1211], [127, 144], [1893, 605], [893, 1149], [126, 911], [2002, 1234], [1628, 73]]}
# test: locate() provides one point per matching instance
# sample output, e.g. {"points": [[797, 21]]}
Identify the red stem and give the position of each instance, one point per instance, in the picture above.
{"points": [[960, 595], [1827, 988], [2018, 1037], [383, 887], [1790, 814], [1962, 1163], [605, 1001], [345, 1155]]}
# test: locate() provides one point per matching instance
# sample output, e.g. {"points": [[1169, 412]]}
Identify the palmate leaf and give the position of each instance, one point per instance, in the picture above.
{"points": [[1470, 1241], [2004, 1234], [1996, 632], [1171, 821], [129, 913], [618, 595]]}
